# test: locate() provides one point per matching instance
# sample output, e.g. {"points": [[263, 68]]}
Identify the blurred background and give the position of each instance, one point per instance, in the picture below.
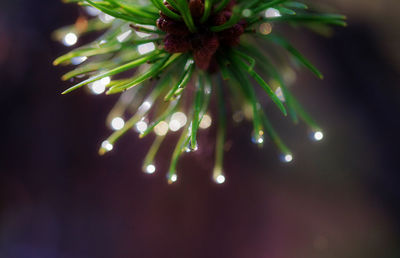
{"points": [[339, 198]]}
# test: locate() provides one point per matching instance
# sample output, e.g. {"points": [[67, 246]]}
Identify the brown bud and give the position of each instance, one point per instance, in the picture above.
{"points": [[219, 19], [171, 26], [232, 35], [196, 8], [176, 44], [204, 54]]}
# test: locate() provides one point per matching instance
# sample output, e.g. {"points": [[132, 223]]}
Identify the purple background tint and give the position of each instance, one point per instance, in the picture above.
{"points": [[340, 198]]}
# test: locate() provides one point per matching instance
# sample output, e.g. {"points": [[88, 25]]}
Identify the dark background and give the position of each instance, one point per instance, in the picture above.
{"points": [[339, 198]]}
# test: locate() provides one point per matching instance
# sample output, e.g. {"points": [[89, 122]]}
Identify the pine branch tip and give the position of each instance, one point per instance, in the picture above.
{"points": [[102, 151], [151, 68]]}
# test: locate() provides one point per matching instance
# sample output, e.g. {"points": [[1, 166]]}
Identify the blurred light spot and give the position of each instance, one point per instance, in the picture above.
{"points": [[174, 125], [144, 34], [81, 24], [178, 120], [247, 12], [98, 87], [189, 147], [78, 60], [146, 48], [180, 117], [272, 12], [248, 111], [258, 138], [117, 123], [150, 169], [287, 158], [70, 39], [238, 116], [92, 11], [107, 146], [318, 136], [161, 129], [279, 94], [207, 89], [265, 28], [106, 18], [173, 179], [145, 106], [206, 122], [188, 63], [220, 179], [106, 80], [141, 126], [289, 75], [122, 37]]}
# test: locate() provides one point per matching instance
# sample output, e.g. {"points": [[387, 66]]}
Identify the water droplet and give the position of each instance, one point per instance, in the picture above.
{"points": [[98, 87], [70, 39], [173, 179], [78, 60], [92, 11], [122, 37], [287, 158], [161, 129], [272, 12], [150, 169], [206, 122], [195, 148], [145, 106], [141, 126], [189, 148], [178, 120], [258, 138], [318, 136], [220, 179], [106, 145], [265, 28], [144, 34], [279, 94], [146, 48], [105, 18], [117, 123]]}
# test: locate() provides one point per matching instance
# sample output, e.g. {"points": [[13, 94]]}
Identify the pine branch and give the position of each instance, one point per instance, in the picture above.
{"points": [[162, 55]]}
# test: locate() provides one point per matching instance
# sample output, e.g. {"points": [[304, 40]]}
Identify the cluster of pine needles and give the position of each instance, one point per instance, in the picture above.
{"points": [[130, 58]]}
